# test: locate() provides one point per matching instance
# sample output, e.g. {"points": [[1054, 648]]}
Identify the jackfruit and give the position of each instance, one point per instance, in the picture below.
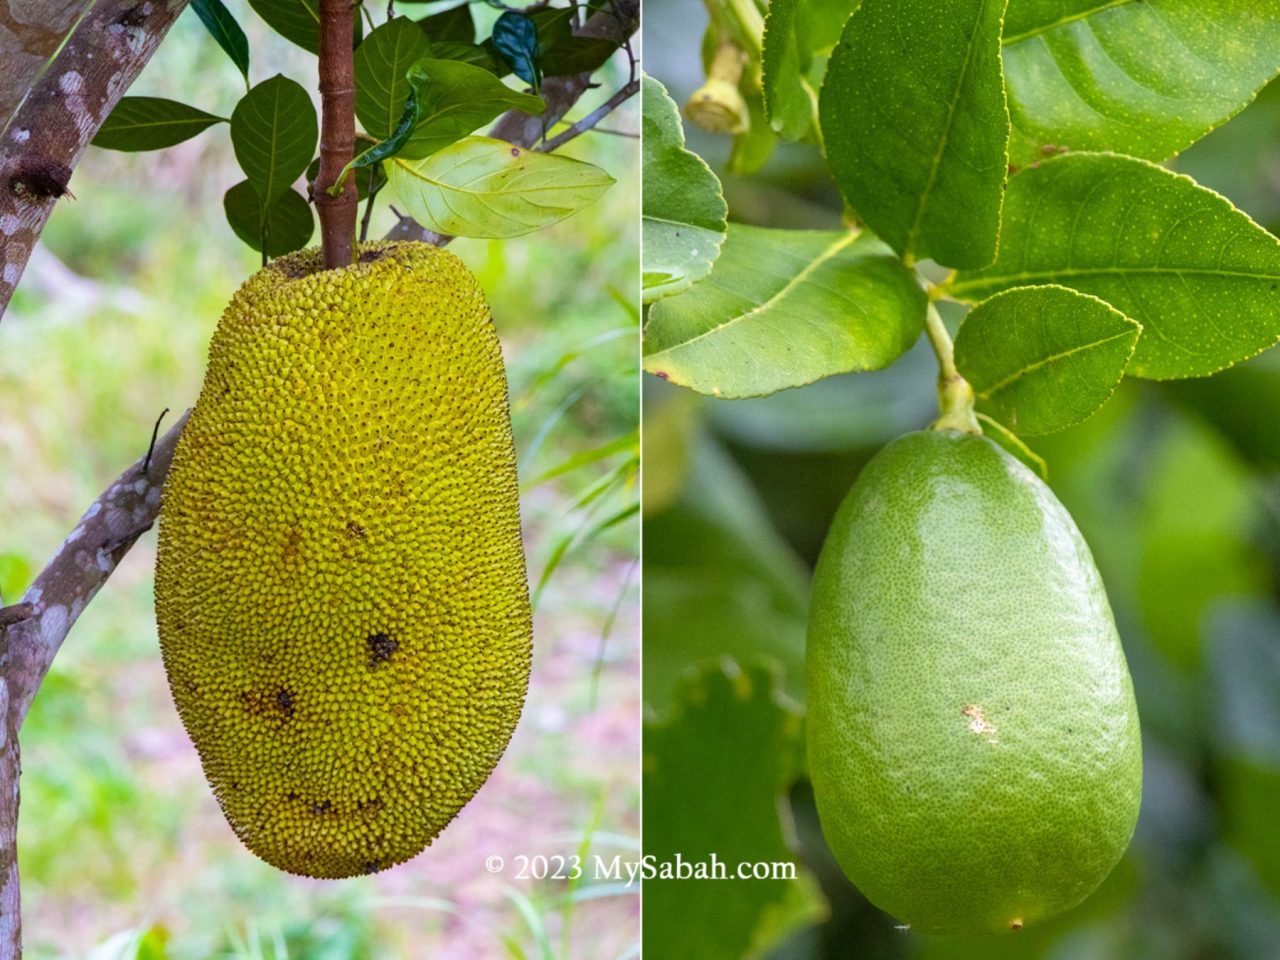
{"points": [[340, 588]]}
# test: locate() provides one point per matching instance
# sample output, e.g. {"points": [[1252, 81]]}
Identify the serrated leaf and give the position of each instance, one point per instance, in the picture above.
{"points": [[480, 187], [1141, 78], [783, 308], [222, 26], [740, 743], [273, 133], [286, 225], [515, 37], [151, 123], [684, 209], [795, 32], [1201, 277], [1041, 359], [381, 63], [454, 24], [914, 121], [455, 99]]}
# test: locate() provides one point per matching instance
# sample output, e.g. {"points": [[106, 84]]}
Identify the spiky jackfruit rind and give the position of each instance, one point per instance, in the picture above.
{"points": [[340, 588]]}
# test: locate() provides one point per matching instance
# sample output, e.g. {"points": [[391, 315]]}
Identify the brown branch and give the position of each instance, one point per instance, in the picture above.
{"points": [[58, 596], [559, 94], [46, 137], [591, 119], [337, 134]]}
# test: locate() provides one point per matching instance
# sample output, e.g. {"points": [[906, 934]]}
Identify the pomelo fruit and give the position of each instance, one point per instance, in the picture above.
{"points": [[973, 738]]}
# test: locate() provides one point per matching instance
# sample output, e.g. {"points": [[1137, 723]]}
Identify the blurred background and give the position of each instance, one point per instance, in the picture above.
{"points": [[1175, 486], [123, 851]]}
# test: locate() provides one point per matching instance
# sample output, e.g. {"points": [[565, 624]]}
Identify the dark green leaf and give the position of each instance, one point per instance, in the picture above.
{"points": [[368, 178], [783, 308], [151, 123], [1041, 359], [393, 144], [298, 21], [1141, 78], [218, 20], [1200, 276], [455, 99], [381, 63], [273, 133], [914, 121], [753, 147], [286, 225], [684, 210], [796, 32], [576, 54], [714, 780], [515, 37], [454, 24], [476, 54]]}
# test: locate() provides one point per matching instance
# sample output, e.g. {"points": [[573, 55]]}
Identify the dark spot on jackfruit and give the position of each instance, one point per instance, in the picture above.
{"points": [[371, 866], [291, 795], [381, 647], [293, 544], [356, 531], [284, 700], [320, 809], [369, 256]]}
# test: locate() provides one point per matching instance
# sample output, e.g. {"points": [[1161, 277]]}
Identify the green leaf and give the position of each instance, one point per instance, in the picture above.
{"points": [[476, 54], [754, 146], [285, 226], [1200, 276], [384, 149], [151, 123], [915, 126], [783, 308], [1198, 509], [515, 37], [457, 98], [715, 777], [1041, 359], [1142, 78], [719, 580], [222, 26], [454, 24], [684, 210], [298, 21], [273, 133], [795, 33], [574, 54], [480, 187], [381, 63]]}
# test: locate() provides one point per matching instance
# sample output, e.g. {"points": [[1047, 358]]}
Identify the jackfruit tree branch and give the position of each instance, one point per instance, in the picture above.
{"points": [[88, 556], [47, 135], [337, 134]]}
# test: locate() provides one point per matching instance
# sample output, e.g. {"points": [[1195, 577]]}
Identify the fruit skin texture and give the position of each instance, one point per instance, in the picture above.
{"points": [[973, 737], [340, 587]]}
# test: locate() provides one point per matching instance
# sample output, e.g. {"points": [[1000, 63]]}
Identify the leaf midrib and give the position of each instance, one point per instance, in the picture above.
{"points": [[990, 392], [826, 255], [913, 235], [1009, 280], [1062, 21]]}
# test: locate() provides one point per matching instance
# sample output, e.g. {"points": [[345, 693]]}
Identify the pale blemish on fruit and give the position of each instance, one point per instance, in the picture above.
{"points": [[1015, 924], [978, 723]]}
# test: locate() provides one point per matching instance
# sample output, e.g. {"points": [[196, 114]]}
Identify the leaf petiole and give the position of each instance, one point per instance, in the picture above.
{"points": [[955, 396]]}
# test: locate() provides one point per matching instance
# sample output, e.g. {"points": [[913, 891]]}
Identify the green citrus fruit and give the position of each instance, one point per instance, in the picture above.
{"points": [[973, 737]]}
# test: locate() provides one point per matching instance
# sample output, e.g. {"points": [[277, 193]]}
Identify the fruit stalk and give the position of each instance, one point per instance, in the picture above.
{"points": [[337, 134], [955, 395]]}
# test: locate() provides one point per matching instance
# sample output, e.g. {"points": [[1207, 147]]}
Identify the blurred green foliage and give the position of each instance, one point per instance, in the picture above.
{"points": [[123, 852], [1176, 487]]}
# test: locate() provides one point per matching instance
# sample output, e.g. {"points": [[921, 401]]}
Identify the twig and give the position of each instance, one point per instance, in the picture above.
{"points": [[337, 134], [591, 119], [15, 614], [62, 112]]}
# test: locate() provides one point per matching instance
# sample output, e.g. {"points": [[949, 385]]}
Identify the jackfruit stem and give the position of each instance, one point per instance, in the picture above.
{"points": [[337, 134], [955, 395]]}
